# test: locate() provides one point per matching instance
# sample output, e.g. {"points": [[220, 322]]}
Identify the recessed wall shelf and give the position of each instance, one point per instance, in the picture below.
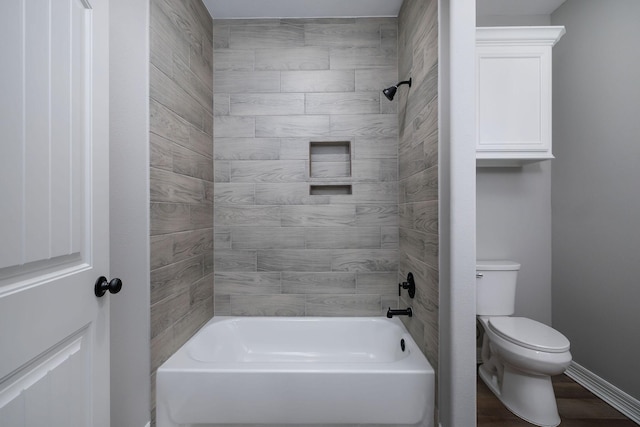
{"points": [[329, 159], [330, 190]]}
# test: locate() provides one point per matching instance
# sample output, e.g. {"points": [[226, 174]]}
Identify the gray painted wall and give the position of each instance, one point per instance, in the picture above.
{"points": [[279, 85], [514, 214], [595, 198], [129, 210]]}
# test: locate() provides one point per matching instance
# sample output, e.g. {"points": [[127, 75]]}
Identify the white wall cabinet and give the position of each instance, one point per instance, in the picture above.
{"points": [[513, 84]]}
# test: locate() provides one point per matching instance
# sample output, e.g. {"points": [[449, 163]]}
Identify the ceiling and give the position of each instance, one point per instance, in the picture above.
{"points": [[237, 9]]}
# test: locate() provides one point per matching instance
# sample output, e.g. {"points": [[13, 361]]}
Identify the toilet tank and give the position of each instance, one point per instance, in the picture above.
{"points": [[496, 287]]}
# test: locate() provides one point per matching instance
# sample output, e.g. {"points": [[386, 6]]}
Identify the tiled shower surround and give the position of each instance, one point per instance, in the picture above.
{"points": [[418, 168], [279, 86], [247, 231], [181, 175]]}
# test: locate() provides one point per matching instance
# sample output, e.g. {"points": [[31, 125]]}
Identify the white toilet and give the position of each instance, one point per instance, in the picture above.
{"points": [[519, 355]]}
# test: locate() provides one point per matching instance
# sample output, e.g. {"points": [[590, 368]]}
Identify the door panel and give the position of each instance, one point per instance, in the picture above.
{"points": [[54, 348]]}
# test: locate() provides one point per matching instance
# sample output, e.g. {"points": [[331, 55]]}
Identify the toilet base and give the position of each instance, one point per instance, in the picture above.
{"points": [[529, 397]]}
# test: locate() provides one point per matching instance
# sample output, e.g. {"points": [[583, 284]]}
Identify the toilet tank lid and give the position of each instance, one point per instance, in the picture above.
{"points": [[485, 264]]}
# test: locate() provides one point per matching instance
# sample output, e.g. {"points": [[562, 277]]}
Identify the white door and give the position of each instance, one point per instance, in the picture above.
{"points": [[54, 332]]}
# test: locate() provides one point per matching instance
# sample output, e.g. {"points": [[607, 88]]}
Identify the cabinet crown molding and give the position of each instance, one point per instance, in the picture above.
{"points": [[519, 36]]}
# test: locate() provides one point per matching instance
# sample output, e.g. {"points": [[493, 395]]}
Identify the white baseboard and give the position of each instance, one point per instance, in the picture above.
{"points": [[606, 391]]}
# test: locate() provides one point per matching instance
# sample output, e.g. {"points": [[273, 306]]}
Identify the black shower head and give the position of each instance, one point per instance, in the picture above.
{"points": [[390, 92]]}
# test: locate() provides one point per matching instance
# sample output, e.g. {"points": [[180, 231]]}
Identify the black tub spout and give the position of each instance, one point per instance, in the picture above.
{"points": [[399, 312]]}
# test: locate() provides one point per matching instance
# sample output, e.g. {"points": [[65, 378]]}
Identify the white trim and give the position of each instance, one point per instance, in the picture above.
{"points": [[606, 391]]}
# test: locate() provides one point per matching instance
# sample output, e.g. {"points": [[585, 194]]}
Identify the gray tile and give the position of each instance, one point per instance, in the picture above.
{"points": [[265, 36], [192, 85], [305, 58], [247, 149], [168, 93], [165, 186], [293, 260], [167, 124], [175, 278], [161, 250], [165, 39], [376, 215], [425, 216], [201, 290], [318, 81], [376, 79], [222, 305], [201, 215], [375, 148], [370, 125], [234, 193], [364, 260], [233, 60], [267, 238], [243, 283], [221, 171], [160, 152], [167, 311], [318, 283], [232, 260], [375, 170], [356, 58], [233, 127], [318, 215], [273, 104], [221, 106], [220, 36], [422, 186], [342, 103], [342, 305], [246, 81], [267, 305], [356, 35], [169, 218], [286, 194], [294, 148], [258, 216], [291, 126], [200, 62], [200, 142], [370, 192], [222, 238], [190, 163], [192, 243], [268, 170], [390, 238], [330, 169], [342, 237], [377, 283], [413, 243]]}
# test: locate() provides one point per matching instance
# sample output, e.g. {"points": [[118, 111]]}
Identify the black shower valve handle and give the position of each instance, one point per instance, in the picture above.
{"points": [[409, 285]]}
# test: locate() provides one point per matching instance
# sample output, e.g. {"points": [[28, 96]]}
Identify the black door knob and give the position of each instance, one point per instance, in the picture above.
{"points": [[102, 286]]}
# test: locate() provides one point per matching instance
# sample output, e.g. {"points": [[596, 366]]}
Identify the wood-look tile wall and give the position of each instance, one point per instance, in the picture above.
{"points": [[181, 175], [278, 85], [418, 168]]}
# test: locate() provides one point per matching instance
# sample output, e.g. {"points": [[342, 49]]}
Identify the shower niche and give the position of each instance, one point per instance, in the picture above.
{"points": [[329, 167]]}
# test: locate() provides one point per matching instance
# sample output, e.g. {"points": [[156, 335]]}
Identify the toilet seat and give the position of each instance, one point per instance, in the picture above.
{"points": [[529, 333]]}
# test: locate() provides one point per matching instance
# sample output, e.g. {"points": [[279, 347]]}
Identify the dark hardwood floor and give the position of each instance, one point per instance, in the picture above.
{"points": [[578, 407]]}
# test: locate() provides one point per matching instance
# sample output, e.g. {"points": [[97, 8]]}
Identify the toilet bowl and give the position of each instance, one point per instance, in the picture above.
{"points": [[519, 355]]}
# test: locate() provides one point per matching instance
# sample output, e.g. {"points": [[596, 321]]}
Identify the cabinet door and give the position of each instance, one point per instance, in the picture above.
{"points": [[514, 102]]}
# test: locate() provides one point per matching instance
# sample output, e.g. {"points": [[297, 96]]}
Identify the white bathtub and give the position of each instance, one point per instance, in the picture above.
{"points": [[297, 370]]}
